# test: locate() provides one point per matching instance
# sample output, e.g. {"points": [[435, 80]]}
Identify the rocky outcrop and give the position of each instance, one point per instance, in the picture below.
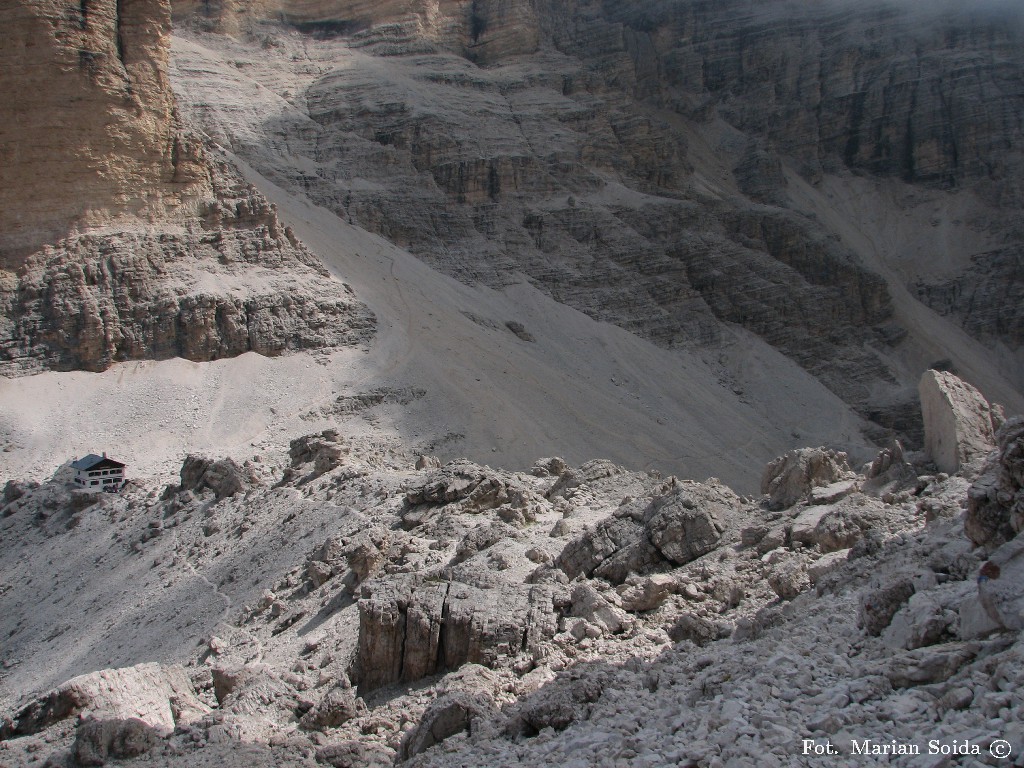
{"points": [[551, 169], [352, 559], [957, 421], [633, 162], [323, 451], [682, 523], [222, 476], [986, 297], [408, 631], [122, 236], [995, 502], [483, 31], [475, 489], [93, 133], [791, 477], [232, 282]]}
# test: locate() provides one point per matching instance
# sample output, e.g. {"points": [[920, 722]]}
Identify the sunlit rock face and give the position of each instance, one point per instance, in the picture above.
{"points": [[90, 132]]}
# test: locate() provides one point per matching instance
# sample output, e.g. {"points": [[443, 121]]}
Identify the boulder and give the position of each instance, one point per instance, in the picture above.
{"points": [[879, 605], [557, 705], [1001, 585], [549, 467], [355, 754], [336, 708], [587, 473], [484, 536], [804, 526], [647, 594], [428, 462], [253, 690], [957, 421], [889, 463], [974, 621], [324, 450], [830, 494], [775, 538], [683, 527], [15, 489], [826, 564], [449, 714], [697, 629], [788, 578], [590, 605], [844, 524], [927, 666], [355, 557], [584, 554], [790, 477], [476, 489], [159, 696], [928, 618], [683, 522]]}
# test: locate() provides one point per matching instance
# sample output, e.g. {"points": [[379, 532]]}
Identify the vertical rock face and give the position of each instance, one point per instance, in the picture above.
{"points": [[90, 131], [408, 631], [957, 421], [636, 160], [893, 89]]}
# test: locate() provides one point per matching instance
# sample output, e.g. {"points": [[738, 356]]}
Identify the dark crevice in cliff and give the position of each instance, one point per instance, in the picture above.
{"points": [[477, 22], [439, 660], [119, 22], [404, 631], [852, 148]]}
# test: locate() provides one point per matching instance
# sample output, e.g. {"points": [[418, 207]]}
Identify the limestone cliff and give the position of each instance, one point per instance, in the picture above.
{"points": [[650, 164], [121, 236], [484, 31], [233, 281], [90, 131]]}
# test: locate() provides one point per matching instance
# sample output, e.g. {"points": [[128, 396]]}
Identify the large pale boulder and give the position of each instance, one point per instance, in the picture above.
{"points": [[159, 696], [222, 476], [957, 421]]}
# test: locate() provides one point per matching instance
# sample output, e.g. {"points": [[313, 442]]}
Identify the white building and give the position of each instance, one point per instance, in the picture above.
{"points": [[98, 472]]}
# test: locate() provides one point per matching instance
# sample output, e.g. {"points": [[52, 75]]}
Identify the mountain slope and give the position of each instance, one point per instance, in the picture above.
{"points": [[663, 166]]}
